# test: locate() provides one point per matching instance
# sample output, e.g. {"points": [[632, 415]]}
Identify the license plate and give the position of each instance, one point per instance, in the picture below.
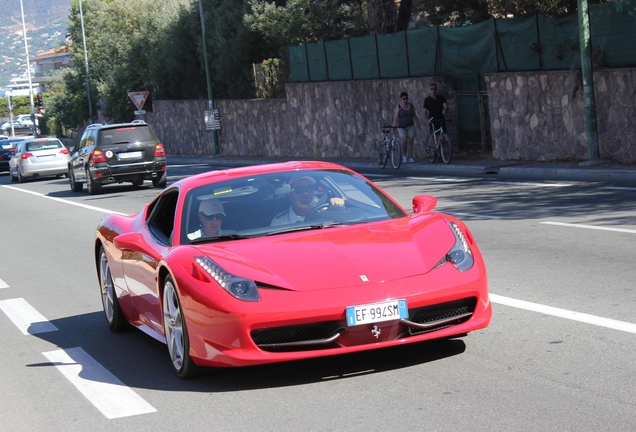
{"points": [[377, 312], [49, 157], [130, 155]]}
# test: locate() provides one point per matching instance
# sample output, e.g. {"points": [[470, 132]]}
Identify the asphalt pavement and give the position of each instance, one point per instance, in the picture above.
{"points": [[576, 171]]}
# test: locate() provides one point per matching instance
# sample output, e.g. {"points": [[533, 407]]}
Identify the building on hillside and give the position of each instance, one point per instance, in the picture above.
{"points": [[42, 65]]}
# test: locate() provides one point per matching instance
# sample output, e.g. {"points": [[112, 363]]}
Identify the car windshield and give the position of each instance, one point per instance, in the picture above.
{"points": [[43, 145], [261, 205]]}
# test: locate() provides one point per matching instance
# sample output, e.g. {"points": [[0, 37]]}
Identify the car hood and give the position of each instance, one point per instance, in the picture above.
{"points": [[340, 256]]}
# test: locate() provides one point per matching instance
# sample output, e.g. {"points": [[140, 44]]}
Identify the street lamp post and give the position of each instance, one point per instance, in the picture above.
{"points": [[215, 137], [26, 49], [88, 79]]}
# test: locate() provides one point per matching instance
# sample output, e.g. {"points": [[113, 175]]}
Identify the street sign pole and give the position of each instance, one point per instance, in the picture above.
{"points": [[215, 138]]}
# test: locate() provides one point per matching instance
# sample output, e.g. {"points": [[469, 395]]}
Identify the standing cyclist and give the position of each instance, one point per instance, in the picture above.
{"points": [[435, 106], [404, 118]]}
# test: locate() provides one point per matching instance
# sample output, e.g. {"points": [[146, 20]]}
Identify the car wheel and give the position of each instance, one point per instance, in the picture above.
{"points": [[6, 133], [176, 332], [92, 186], [138, 182], [75, 186], [21, 178], [13, 178], [160, 182], [112, 311]]}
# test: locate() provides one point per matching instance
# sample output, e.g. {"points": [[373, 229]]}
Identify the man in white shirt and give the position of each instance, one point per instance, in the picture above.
{"points": [[303, 200]]}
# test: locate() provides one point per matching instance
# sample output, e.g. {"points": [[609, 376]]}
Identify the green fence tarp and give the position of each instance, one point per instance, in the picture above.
{"points": [[497, 45], [364, 58], [392, 55], [422, 50], [339, 60]]}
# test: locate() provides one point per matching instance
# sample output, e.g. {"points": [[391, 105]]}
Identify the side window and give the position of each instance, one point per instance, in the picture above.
{"points": [[161, 219]]}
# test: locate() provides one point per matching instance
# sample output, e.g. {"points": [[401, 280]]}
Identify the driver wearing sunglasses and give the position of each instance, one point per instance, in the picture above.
{"points": [[303, 200], [211, 215]]}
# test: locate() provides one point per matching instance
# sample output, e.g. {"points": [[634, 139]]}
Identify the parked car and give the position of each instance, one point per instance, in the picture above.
{"points": [[117, 153], [7, 148], [205, 268], [39, 157], [26, 118], [19, 128]]}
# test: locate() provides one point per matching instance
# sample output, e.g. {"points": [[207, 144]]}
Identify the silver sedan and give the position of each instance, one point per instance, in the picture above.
{"points": [[39, 157]]}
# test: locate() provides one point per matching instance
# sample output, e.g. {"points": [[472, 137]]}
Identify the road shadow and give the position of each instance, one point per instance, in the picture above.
{"points": [[142, 362]]}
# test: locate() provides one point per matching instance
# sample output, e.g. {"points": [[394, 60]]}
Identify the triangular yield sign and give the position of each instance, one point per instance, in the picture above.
{"points": [[138, 98]]}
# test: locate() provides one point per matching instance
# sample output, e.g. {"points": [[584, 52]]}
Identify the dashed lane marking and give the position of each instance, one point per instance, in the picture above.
{"points": [[25, 317], [564, 313], [623, 230], [100, 387], [3, 284]]}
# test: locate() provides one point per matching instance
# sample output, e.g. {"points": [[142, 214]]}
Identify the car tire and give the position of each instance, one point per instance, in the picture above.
{"points": [[92, 186], [112, 311], [75, 186], [176, 332], [138, 182], [21, 178], [160, 182], [6, 133]]}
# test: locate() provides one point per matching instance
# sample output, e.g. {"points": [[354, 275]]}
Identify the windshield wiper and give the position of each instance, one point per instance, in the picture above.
{"points": [[305, 228], [217, 238]]}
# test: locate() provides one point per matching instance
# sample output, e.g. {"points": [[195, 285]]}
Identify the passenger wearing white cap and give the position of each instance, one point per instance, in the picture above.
{"points": [[211, 215], [303, 199]]}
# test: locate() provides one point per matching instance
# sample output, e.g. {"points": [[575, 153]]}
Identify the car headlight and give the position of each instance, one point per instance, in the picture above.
{"points": [[241, 288], [460, 254]]}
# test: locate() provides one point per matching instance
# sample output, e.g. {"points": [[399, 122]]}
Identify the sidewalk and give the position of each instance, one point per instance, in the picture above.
{"points": [[538, 170]]}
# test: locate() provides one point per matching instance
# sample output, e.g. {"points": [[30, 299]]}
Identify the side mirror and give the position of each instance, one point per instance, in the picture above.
{"points": [[423, 203]]}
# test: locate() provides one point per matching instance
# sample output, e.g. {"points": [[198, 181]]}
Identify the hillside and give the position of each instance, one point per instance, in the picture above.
{"points": [[46, 25]]}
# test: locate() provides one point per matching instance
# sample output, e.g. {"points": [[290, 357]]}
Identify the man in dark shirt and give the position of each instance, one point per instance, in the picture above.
{"points": [[435, 106]]}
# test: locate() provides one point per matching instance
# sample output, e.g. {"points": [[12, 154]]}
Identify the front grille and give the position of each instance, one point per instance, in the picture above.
{"points": [[303, 337], [443, 312]]}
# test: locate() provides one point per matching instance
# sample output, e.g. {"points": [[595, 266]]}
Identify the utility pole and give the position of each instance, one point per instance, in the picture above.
{"points": [[26, 50], [215, 137], [588, 85], [88, 80]]}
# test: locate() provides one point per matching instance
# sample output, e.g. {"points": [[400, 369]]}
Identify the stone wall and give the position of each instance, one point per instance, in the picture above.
{"points": [[316, 120], [540, 116]]}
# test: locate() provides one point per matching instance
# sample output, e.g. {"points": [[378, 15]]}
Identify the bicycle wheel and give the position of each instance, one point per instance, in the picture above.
{"points": [[431, 151], [445, 147], [396, 154], [382, 156]]}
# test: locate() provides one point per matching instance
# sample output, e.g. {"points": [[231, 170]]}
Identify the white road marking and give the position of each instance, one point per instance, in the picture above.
{"points": [[623, 230], [25, 317], [99, 209], [191, 165], [442, 179], [564, 313], [618, 188], [530, 184], [3, 284], [482, 216], [100, 387]]}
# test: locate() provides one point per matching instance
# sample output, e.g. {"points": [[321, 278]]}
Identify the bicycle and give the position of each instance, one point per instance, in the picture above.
{"points": [[438, 141], [390, 145]]}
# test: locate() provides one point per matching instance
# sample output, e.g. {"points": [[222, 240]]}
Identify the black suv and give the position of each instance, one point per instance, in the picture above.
{"points": [[117, 153]]}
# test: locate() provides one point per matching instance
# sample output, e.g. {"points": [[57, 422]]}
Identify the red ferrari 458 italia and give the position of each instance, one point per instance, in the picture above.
{"points": [[287, 261]]}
